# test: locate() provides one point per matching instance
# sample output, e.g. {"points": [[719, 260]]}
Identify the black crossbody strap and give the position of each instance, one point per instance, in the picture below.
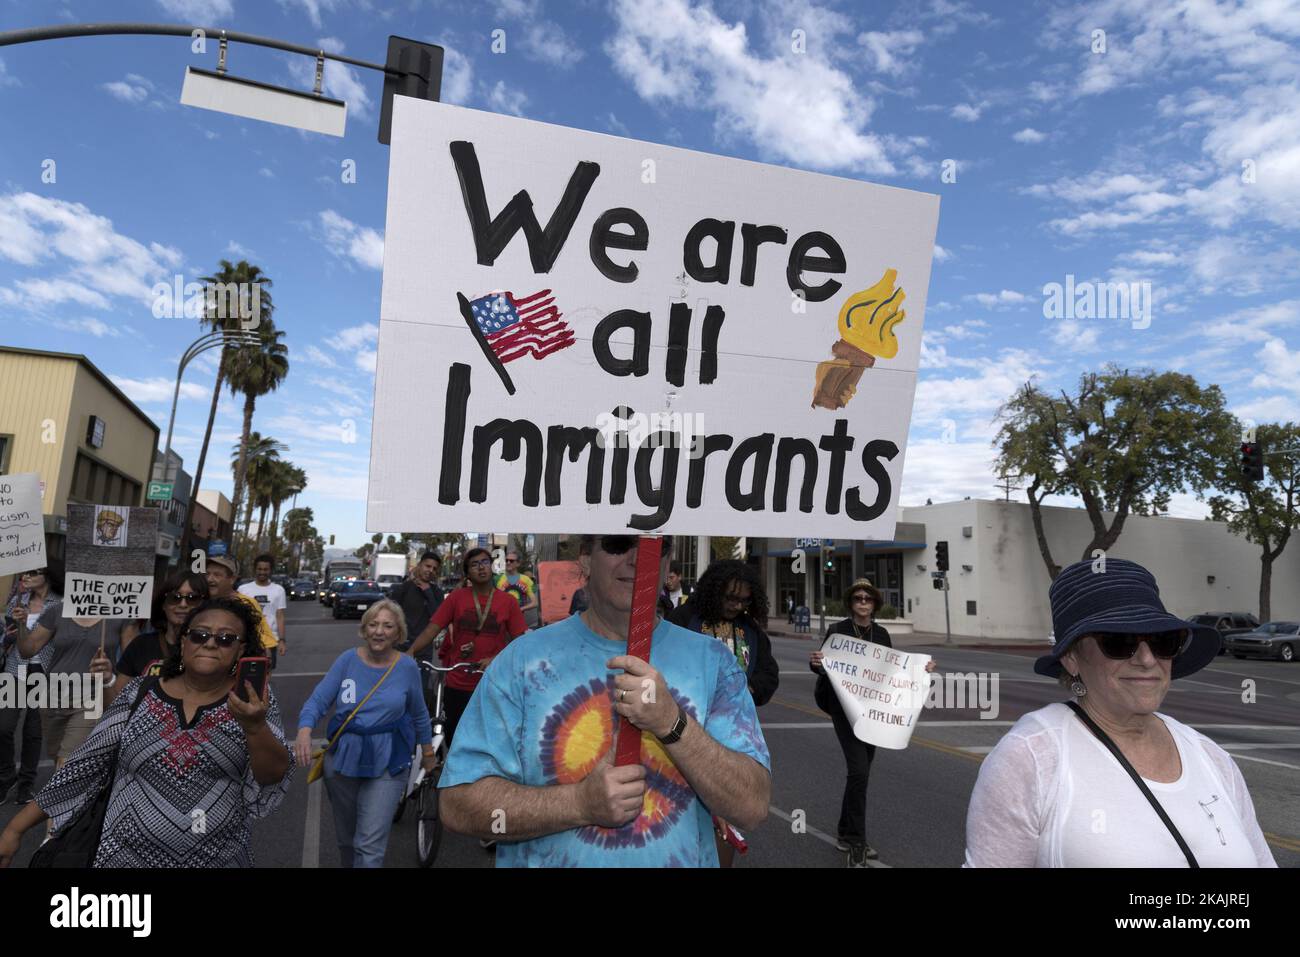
{"points": [[1104, 738]]}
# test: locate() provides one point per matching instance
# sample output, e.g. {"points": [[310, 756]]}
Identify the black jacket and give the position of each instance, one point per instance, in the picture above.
{"points": [[764, 673]]}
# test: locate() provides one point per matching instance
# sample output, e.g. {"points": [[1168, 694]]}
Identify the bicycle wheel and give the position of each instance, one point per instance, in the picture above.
{"points": [[428, 825]]}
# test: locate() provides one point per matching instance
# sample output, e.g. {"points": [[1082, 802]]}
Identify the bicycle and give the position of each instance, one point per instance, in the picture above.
{"points": [[422, 787]]}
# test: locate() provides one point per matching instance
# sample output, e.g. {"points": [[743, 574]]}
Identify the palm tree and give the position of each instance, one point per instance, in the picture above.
{"points": [[213, 322], [255, 456], [255, 371], [287, 480]]}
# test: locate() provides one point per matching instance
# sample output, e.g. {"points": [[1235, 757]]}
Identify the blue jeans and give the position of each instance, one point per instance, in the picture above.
{"points": [[363, 814]]}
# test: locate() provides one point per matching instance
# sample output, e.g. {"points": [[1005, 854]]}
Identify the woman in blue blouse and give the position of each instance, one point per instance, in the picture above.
{"points": [[366, 769]]}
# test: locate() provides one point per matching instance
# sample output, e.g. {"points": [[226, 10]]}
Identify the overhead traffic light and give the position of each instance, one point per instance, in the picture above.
{"points": [[828, 559], [941, 556], [1252, 461], [331, 539]]}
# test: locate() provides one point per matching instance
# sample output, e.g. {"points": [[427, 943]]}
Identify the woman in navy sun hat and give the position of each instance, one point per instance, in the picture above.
{"points": [[1106, 780]]}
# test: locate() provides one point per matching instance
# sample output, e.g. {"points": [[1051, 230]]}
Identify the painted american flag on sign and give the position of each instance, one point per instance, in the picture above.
{"points": [[519, 327]]}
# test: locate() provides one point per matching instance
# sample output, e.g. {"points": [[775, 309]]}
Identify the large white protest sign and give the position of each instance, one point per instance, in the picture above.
{"points": [[107, 596], [882, 690], [22, 528], [609, 334]]}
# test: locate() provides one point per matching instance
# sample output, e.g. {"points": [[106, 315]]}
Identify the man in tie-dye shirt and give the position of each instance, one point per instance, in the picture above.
{"points": [[532, 762]]}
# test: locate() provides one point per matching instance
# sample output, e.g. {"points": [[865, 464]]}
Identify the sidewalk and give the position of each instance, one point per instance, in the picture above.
{"points": [[921, 638]]}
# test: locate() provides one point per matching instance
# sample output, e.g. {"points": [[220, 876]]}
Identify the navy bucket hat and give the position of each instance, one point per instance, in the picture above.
{"points": [[1121, 597]]}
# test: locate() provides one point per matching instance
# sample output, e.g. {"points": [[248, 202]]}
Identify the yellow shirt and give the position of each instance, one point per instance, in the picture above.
{"points": [[268, 637]]}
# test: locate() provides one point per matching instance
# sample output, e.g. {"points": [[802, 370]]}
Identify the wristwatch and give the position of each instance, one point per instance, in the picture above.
{"points": [[679, 728]]}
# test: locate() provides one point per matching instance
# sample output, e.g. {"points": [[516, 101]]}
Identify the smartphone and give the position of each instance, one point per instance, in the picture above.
{"points": [[253, 670]]}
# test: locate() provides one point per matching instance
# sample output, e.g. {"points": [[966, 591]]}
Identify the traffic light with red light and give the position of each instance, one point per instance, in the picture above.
{"points": [[1252, 461]]}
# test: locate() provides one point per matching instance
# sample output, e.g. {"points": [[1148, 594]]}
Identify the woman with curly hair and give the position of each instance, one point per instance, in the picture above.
{"points": [[174, 750], [728, 603]]}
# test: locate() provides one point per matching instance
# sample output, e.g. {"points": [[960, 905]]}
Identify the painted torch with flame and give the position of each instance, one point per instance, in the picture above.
{"points": [[866, 325]]}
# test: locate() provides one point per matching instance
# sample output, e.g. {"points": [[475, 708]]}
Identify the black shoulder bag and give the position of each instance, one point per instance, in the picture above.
{"points": [[77, 842], [1104, 738]]}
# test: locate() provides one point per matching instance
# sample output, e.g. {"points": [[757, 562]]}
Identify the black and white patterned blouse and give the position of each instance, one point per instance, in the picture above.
{"points": [[183, 795]]}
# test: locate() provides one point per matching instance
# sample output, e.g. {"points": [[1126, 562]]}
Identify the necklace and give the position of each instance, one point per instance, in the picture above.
{"points": [[482, 613]]}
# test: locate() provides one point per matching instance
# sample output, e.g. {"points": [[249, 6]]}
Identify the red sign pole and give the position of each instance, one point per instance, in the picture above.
{"points": [[645, 595]]}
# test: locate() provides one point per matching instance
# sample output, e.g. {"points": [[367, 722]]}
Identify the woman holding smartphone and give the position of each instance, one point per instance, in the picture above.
{"points": [[194, 761]]}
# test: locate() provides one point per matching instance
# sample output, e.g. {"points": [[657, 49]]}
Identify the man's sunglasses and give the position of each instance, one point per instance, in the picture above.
{"points": [[620, 544], [176, 597], [38, 573], [201, 636], [1168, 644]]}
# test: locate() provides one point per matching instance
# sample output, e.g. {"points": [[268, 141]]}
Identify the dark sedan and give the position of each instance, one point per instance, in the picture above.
{"points": [[354, 597], [1273, 639], [301, 589]]}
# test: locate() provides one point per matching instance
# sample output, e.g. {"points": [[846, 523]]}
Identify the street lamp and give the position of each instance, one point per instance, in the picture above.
{"points": [[221, 339]]}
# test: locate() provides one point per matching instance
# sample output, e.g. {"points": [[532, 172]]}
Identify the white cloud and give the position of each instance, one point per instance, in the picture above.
{"points": [[367, 360], [1074, 336], [1004, 298], [1151, 257], [891, 52], [1281, 369], [5, 78], [1029, 135], [547, 42], [947, 471], [968, 112], [267, 172], [973, 399], [313, 8], [52, 292], [505, 99], [88, 326], [161, 390], [236, 249], [133, 89], [1273, 408], [941, 255], [795, 108], [457, 77], [345, 238], [198, 12], [316, 356], [353, 337]]}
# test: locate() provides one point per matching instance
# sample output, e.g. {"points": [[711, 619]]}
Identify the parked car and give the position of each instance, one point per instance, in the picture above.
{"points": [[302, 588], [1227, 623], [354, 597], [1274, 639]]}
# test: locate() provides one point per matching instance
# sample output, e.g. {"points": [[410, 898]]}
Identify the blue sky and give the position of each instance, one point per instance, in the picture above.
{"points": [[1169, 156]]}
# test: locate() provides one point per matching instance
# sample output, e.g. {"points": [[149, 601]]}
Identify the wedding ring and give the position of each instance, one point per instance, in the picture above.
{"points": [[622, 693]]}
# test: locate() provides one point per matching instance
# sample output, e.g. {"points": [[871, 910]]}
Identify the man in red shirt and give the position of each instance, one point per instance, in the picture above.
{"points": [[483, 619]]}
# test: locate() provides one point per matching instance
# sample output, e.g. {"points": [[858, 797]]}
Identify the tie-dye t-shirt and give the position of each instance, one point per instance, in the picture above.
{"points": [[543, 715]]}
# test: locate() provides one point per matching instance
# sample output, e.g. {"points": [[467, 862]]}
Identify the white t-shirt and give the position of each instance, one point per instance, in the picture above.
{"points": [[1052, 795], [272, 599]]}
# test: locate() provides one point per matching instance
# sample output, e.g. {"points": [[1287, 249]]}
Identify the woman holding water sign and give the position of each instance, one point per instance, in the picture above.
{"points": [[864, 598]]}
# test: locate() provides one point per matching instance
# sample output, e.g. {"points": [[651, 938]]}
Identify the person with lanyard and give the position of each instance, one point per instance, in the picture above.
{"points": [[728, 603], [484, 619], [864, 598], [175, 750], [521, 586], [419, 596], [39, 588], [180, 594], [379, 715]]}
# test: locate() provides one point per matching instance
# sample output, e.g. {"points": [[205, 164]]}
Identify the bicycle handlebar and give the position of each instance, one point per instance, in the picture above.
{"points": [[460, 664]]}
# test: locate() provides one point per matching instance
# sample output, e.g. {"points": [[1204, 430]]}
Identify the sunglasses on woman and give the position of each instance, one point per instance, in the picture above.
{"points": [[176, 597], [39, 573], [1122, 647], [201, 636]]}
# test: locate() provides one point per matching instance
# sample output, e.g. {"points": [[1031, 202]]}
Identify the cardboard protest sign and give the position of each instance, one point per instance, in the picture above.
{"points": [[22, 527], [556, 582], [625, 336], [110, 561], [881, 690]]}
